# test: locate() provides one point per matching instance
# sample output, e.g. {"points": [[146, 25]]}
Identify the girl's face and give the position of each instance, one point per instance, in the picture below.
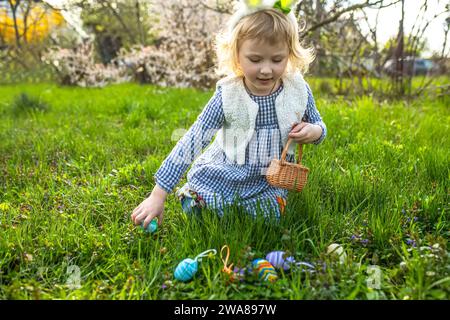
{"points": [[262, 64]]}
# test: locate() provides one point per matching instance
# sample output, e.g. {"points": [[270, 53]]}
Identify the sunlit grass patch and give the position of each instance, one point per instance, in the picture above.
{"points": [[73, 169]]}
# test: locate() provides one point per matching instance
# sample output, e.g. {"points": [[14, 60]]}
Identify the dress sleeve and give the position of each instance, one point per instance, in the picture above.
{"points": [[190, 146], [312, 115]]}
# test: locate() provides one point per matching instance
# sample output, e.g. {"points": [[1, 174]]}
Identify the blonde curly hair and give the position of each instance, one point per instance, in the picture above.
{"points": [[269, 25]]}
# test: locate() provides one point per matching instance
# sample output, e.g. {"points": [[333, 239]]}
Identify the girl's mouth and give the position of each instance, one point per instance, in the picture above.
{"points": [[265, 81]]}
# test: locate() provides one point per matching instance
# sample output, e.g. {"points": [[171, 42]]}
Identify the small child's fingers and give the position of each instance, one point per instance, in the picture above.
{"points": [[297, 135], [298, 127], [303, 124], [140, 217], [134, 216], [295, 127], [135, 212]]}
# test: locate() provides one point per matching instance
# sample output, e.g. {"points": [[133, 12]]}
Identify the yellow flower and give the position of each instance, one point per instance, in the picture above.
{"points": [[286, 3], [253, 3]]}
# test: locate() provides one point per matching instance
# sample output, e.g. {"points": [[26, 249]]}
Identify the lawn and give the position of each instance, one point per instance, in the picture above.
{"points": [[74, 163]]}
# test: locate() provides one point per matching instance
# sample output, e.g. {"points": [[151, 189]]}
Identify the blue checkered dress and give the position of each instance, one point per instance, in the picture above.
{"points": [[217, 179]]}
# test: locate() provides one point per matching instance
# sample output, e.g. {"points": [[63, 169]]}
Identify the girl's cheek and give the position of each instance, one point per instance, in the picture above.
{"points": [[253, 69]]}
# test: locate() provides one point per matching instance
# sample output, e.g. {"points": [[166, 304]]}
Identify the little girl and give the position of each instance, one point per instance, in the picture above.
{"points": [[262, 102]]}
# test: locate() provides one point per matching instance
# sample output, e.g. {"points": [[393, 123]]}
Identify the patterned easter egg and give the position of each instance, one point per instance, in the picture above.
{"points": [[265, 270], [276, 258], [152, 226], [186, 270]]}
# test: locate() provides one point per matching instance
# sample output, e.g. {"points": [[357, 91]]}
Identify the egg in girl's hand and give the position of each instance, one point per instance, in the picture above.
{"points": [[152, 226]]}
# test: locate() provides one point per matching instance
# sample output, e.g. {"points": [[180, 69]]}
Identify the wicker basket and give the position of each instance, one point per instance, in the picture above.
{"points": [[287, 175]]}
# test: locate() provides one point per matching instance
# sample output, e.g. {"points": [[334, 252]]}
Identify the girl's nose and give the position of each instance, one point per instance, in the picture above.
{"points": [[266, 70]]}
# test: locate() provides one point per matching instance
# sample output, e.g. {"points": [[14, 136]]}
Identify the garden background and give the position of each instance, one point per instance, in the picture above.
{"points": [[93, 95]]}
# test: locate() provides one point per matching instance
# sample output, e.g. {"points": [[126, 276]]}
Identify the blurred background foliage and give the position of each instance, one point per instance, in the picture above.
{"points": [[93, 43]]}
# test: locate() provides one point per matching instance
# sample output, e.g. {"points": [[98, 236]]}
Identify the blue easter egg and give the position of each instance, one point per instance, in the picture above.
{"points": [[186, 270], [152, 226]]}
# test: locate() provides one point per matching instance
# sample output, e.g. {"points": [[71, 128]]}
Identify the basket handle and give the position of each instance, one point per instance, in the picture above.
{"points": [[285, 150]]}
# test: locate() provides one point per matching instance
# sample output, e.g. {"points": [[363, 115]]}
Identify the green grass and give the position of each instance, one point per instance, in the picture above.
{"points": [[75, 162]]}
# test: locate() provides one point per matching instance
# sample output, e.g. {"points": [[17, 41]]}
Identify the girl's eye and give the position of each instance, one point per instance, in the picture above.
{"points": [[259, 60]]}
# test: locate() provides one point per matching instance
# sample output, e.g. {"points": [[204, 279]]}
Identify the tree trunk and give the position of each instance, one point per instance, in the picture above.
{"points": [[316, 34], [14, 13], [142, 36], [399, 56], [25, 21]]}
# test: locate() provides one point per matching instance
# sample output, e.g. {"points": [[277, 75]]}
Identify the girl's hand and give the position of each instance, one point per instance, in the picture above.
{"points": [[305, 132], [150, 208]]}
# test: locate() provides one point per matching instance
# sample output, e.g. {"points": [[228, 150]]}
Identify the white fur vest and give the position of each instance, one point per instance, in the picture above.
{"points": [[240, 113]]}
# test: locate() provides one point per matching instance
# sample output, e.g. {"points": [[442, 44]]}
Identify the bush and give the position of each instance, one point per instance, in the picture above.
{"points": [[77, 66], [146, 65], [325, 87], [24, 103]]}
